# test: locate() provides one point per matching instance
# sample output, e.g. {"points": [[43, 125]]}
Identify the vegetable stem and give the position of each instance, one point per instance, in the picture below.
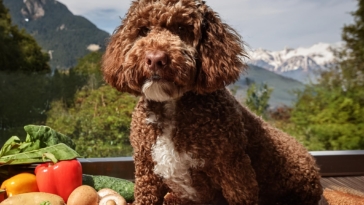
{"points": [[48, 155]]}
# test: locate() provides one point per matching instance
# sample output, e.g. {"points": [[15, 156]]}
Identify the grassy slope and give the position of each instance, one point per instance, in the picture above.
{"points": [[282, 87]]}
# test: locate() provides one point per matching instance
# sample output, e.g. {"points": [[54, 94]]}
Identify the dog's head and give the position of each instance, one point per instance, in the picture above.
{"points": [[165, 48]]}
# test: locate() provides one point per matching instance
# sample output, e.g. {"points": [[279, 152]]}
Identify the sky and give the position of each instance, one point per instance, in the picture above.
{"points": [[268, 24]]}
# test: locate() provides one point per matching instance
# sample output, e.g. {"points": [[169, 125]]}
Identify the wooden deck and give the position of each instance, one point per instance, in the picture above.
{"points": [[342, 177], [342, 174], [343, 190]]}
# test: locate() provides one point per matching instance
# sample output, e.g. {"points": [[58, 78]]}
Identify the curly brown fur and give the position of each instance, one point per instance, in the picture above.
{"points": [[191, 138]]}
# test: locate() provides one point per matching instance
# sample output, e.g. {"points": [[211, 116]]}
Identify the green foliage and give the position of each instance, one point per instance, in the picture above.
{"points": [[329, 120], [98, 123], [24, 99], [87, 72], [258, 98], [97, 117], [19, 51], [282, 86], [90, 64], [330, 115], [74, 101], [234, 89]]}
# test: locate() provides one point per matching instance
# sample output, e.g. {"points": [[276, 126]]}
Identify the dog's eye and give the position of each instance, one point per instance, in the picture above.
{"points": [[143, 31], [181, 29], [185, 32]]}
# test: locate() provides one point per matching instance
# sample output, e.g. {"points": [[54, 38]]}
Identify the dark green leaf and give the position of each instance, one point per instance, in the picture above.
{"points": [[46, 136], [12, 143], [60, 151]]}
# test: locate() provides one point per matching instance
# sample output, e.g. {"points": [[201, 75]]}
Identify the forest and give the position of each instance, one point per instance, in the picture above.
{"points": [[327, 115]]}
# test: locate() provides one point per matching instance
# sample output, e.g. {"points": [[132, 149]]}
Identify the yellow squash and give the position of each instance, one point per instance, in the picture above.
{"points": [[20, 183]]}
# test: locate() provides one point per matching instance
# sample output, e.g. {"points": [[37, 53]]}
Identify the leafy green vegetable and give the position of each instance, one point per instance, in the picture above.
{"points": [[38, 137], [46, 136], [12, 143], [60, 151]]}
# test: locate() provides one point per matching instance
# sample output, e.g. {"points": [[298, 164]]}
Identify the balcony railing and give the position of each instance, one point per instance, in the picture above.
{"points": [[331, 163], [340, 163], [342, 173]]}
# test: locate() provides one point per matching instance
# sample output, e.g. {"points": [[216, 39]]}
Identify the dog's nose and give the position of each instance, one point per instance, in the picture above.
{"points": [[156, 59]]}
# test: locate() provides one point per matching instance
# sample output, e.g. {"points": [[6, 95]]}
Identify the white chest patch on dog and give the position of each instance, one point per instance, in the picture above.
{"points": [[174, 166]]}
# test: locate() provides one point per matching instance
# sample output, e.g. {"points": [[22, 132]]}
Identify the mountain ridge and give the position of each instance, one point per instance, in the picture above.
{"points": [[60, 33], [283, 87], [302, 64], [66, 38]]}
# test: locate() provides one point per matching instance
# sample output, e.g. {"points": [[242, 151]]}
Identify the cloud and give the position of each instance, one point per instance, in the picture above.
{"points": [[93, 47], [81, 7], [262, 23], [105, 19], [105, 14]]}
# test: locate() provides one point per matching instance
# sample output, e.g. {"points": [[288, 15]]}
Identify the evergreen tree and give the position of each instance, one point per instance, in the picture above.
{"points": [[23, 94], [18, 50], [24, 99], [98, 122], [258, 99], [97, 117], [330, 114]]}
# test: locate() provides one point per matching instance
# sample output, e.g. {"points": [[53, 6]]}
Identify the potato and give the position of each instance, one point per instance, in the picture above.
{"points": [[32, 198], [83, 195]]}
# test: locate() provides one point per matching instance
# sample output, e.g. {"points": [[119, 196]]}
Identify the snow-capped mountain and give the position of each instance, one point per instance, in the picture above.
{"points": [[301, 63]]}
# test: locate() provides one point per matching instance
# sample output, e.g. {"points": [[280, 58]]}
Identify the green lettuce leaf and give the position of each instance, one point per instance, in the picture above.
{"points": [[46, 137], [60, 151], [38, 137]]}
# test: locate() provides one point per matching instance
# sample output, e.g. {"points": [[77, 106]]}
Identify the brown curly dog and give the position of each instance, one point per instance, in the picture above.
{"points": [[191, 138]]}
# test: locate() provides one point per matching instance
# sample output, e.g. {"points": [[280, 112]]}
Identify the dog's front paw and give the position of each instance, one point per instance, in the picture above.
{"points": [[171, 199]]}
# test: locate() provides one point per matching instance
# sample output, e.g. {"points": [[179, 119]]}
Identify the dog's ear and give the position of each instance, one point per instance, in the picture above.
{"points": [[112, 63], [220, 53]]}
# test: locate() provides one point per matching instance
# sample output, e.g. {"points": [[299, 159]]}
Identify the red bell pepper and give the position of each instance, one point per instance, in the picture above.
{"points": [[2, 195], [59, 178]]}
